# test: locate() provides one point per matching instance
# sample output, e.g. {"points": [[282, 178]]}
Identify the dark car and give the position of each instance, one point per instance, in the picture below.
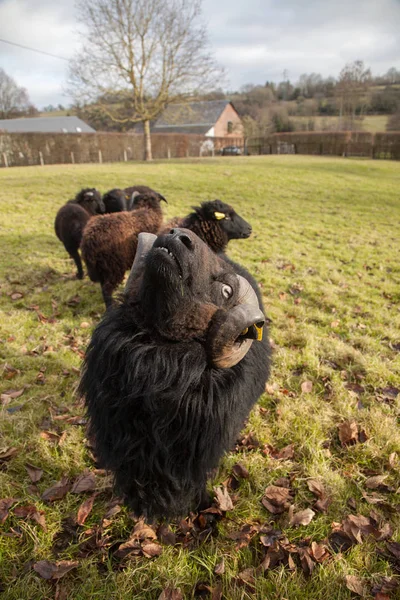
{"points": [[231, 151]]}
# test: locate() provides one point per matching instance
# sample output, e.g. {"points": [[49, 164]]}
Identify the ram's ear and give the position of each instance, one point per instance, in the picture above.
{"points": [[145, 244], [233, 332], [219, 215]]}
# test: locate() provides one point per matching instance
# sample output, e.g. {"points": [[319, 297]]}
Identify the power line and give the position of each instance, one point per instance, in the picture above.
{"points": [[34, 50]]}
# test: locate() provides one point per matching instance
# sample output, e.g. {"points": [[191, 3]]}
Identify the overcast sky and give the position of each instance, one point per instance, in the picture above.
{"points": [[254, 40]]}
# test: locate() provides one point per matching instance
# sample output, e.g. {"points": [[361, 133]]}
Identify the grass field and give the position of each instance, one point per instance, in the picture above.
{"points": [[325, 250]]}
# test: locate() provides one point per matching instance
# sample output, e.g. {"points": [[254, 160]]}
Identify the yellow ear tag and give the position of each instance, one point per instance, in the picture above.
{"points": [[219, 216], [259, 332]]}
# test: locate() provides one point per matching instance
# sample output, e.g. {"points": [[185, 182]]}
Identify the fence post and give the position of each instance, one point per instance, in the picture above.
{"points": [[5, 159], [100, 157], [41, 159], [125, 156], [169, 152], [187, 152], [72, 158]]}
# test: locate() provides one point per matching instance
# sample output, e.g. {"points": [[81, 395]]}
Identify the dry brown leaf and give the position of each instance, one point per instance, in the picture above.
{"points": [[171, 594], [355, 584], [276, 499], [307, 563], [142, 531], [5, 505], [219, 569], [50, 436], [244, 535], [316, 488], [240, 471], [51, 570], [374, 483], [284, 453], [348, 432], [16, 296], [247, 578], [85, 325], [84, 483], [11, 395], [224, 501], [323, 504], [306, 387], [319, 552], [151, 549], [303, 517], [57, 491], [7, 453], [10, 372], [35, 473], [85, 509]]}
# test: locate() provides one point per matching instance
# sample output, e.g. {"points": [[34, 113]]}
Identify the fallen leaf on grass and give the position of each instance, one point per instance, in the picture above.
{"points": [[316, 488], [348, 432], [219, 569], [240, 471], [393, 460], [57, 491], [356, 585], [244, 535], [32, 512], [5, 505], [50, 570], [10, 372], [7, 453], [385, 585], [224, 501], [6, 397], [85, 509], [307, 563], [306, 387], [35, 473], [151, 549], [16, 296], [142, 531], [303, 517], [276, 499], [376, 483], [171, 594], [247, 578], [319, 552], [84, 483], [50, 436]]}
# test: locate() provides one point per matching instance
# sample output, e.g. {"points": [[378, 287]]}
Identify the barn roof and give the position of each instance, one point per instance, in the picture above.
{"points": [[193, 117], [46, 125]]}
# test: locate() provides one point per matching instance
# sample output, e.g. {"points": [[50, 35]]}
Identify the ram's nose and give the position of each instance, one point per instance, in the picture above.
{"points": [[180, 235]]}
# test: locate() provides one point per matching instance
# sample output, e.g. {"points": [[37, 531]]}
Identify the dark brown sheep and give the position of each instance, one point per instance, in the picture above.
{"points": [[215, 223], [71, 220], [130, 193], [109, 242]]}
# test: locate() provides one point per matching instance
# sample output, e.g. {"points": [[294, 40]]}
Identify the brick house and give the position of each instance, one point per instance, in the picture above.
{"points": [[212, 118]]}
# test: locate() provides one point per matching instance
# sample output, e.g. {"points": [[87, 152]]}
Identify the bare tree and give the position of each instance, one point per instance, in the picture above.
{"points": [[14, 100], [148, 53], [352, 87]]}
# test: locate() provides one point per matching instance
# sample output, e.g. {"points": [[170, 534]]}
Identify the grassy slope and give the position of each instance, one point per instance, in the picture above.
{"points": [[336, 222], [372, 123]]}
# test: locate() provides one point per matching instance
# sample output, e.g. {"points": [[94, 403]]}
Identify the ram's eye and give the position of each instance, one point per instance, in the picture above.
{"points": [[227, 291]]}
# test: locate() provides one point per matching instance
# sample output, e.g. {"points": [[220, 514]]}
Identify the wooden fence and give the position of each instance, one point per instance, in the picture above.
{"points": [[24, 149]]}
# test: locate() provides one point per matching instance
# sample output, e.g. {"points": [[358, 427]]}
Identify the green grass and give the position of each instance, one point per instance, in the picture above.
{"points": [[325, 249], [372, 123]]}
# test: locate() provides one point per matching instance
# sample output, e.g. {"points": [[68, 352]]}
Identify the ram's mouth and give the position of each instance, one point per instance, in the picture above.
{"points": [[172, 256]]}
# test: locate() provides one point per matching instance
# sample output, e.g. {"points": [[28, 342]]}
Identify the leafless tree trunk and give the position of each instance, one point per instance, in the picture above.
{"points": [[14, 100], [139, 56], [147, 141]]}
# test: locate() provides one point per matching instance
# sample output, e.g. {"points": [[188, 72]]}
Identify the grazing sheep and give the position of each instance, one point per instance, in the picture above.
{"points": [[215, 223], [109, 242], [172, 372], [71, 220], [141, 189]]}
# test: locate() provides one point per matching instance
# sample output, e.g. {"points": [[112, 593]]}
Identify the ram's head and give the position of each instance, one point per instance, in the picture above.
{"points": [[183, 291]]}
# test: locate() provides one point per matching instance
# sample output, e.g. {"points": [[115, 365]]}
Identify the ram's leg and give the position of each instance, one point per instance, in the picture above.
{"points": [[107, 290], [78, 262]]}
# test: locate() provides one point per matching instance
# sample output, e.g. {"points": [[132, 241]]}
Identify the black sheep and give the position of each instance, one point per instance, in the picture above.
{"points": [[115, 200], [71, 220], [172, 372], [215, 223]]}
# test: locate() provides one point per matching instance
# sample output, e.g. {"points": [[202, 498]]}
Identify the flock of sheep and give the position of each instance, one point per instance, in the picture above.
{"points": [[106, 229], [179, 359]]}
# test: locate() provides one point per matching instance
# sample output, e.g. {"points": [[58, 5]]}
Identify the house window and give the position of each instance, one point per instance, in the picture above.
{"points": [[230, 127]]}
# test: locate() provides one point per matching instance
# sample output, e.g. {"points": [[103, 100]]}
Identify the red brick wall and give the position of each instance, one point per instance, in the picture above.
{"points": [[221, 126]]}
